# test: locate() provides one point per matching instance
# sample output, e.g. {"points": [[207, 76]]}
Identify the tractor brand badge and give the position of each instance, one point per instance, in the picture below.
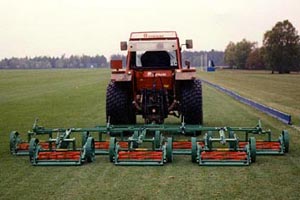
{"points": [[157, 74], [152, 36], [161, 74]]}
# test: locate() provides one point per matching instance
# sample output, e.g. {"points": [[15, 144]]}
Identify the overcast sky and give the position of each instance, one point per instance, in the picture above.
{"points": [[56, 27]]}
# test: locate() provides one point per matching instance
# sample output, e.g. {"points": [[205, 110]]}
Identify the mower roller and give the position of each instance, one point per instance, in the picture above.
{"points": [[20, 147], [64, 153], [141, 149], [229, 154], [268, 146]]}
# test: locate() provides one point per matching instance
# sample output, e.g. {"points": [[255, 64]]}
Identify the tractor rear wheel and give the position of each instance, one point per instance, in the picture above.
{"points": [[191, 102], [119, 109]]}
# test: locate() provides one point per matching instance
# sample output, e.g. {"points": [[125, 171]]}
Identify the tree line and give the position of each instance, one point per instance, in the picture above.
{"points": [[280, 51], [46, 62], [84, 61]]}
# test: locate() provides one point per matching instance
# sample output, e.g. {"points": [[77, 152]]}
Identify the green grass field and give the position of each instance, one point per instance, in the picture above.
{"points": [[76, 98], [280, 91]]}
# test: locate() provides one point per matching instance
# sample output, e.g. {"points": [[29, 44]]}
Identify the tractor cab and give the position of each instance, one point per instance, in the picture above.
{"points": [[157, 50], [156, 54]]}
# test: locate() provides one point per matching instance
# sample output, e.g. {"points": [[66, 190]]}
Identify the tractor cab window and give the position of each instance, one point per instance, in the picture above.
{"points": [[154, 59], [153, 54]]}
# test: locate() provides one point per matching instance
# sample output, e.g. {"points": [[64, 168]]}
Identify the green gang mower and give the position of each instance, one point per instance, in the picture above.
{"points": [[147, 145]]}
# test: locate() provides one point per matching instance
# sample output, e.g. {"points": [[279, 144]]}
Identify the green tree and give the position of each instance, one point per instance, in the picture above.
{"points": [[242, 51], [237, 54], [255, 59], [229, 54], [281, 46]]}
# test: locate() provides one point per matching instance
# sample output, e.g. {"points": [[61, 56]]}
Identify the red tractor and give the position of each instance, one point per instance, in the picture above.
{"points": [[154, 83]]}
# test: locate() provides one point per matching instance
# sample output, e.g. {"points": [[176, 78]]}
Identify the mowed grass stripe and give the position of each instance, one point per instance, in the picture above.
{"points": [[275, 177]]}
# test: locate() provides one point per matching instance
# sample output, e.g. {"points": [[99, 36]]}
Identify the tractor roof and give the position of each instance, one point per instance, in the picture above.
{"points": [[153, 35]]}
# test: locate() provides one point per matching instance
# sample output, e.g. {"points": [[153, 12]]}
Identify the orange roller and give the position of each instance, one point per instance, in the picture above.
{"points": [[140, 155], [182, 145], [224, 155], [43, 155], [123, 145], [242, 144], [201, 144], [102, 145], [45, 145], [268, 145], [23, 146]]}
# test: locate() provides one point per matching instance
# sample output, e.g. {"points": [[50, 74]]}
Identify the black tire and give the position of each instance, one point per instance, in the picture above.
{"points": [[90, 149], [191, 102], [119, 104], [13, 141]]}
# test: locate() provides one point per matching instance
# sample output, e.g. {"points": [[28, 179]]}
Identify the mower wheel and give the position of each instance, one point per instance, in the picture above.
{"points": [[112, 148], [286, 140], [169, 149], [90, 149], [33, 145], [119, 109], [231, 144], [157, 139], [191, 102], [194, 149], [252, 146], [84, 137], [209, 143], [12, 141]]}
